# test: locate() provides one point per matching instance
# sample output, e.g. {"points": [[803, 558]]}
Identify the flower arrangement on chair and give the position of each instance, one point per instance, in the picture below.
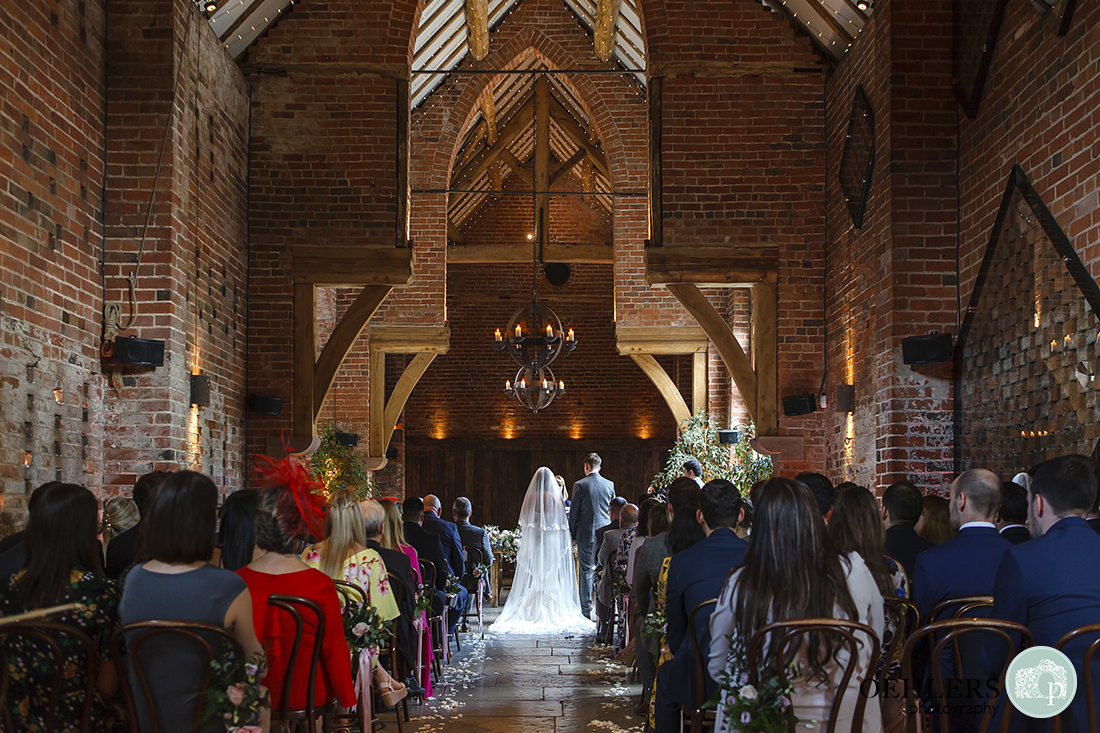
{"points": [[763, 708], [235, 696]]}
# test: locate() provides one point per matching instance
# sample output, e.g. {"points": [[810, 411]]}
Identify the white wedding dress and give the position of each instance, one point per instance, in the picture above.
{"points": [[543, 598]]}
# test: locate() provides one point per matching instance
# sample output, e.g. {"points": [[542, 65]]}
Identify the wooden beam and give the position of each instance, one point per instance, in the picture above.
{"points": [[477, 21], [472, 150], [727, 69], [489, 116], [402, 215], [517, 167], [572, 130], [585, 176], [453, 233], [305, 351], [728, 266], [656, 181], [699, 382], [567, 166], [542, 160], [603, 33], [718, 331], [342, 339], [765, 352], [660, 340], [823, 13], [553, 252], [350, 266], [396, 403], [494, 179], [665, 386], [410, 339], [516, 124], [376, 428]]}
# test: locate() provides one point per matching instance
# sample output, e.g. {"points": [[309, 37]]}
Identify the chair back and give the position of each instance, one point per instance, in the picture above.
{"points": [[959, 607], [1086, 669], [791, 636], [428, 574], [48, 634], [698, 714], [474, 555], [294, 605], [349, 593], [903, 618], [395, 588], [942, 633], [138, 634]]}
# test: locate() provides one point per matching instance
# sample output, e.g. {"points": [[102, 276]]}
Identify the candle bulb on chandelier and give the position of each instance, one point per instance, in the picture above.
{"points": [[549, 331], [561, 384], [507, 384], [570, 336], [519, 331], [523, 384], [498, 337], [545, 384]]}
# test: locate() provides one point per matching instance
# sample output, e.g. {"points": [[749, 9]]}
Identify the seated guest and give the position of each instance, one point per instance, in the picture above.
{"points": [[1093, 517], [934, 524], [278, 570], [62, 567], [471, 535], [901, 509], [855, 526], [119, 515], [695, 575], [428, 547], [448, 534], [645, 509], [823, 490], [393, 538], [694, 471], [613, 509], [1012, 516], [606, 557], [790, 572], [238, 542], [14, 555], [121, 553], [177, 583], [1051, 584], [399, 568]]}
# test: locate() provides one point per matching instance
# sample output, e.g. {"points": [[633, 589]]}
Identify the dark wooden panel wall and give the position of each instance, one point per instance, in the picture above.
{"points": [[494, 474]]}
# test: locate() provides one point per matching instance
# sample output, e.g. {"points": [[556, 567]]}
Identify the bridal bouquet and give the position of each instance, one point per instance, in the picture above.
{"points": [[365, 629], [234, 697]]}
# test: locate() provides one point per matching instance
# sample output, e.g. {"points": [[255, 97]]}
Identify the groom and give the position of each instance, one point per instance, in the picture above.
{"points": [[591, 497]]}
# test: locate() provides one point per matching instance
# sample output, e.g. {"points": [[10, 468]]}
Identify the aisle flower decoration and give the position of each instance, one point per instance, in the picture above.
{"points": [[480, 570], [365, 629], [234, 697], [762, 708]]}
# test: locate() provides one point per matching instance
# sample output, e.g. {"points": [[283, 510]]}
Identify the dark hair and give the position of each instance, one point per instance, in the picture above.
{"points": [[412, 509], [60, 538], [181, 522], [1013, 503], [694, 466], [658, 519], [617, 502], [646, 507], [903, 502], [1068, 483], [145, 487], [238, 528], [593, 460], [822, 489], [936, 527], [685, 530], [855, 526], [791, 572], [36, 495], [846, 485], [721, 504], [270, 532], [682, 492]]}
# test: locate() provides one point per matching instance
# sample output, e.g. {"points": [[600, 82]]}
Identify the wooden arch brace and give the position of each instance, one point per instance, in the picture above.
{"points": [[426, 342], [642, 344]]}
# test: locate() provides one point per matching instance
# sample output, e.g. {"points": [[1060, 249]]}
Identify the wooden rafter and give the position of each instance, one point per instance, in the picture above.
{"points": [[552, 252], [327, 266], [664, 384], [515, 125], [517, 167], [342, 339], [644, 343], [454, 234], [572, 129], [823, 13], [477, 22], [426, 342], [603, 35], [489, 116], [567, 166], [494, 178], [729, 266]]}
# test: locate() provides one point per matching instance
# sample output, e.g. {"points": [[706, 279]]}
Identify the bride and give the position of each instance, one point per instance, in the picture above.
{"points": [[543, 598]]}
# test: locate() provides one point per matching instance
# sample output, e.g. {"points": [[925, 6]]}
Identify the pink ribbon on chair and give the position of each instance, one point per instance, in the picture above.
{"points": [[363, 682]]}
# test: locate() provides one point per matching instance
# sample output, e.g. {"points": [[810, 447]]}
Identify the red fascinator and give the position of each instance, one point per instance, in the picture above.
{"points": [[301, 507]]}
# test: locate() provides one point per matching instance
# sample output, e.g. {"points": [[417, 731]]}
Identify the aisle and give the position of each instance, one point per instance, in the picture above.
{"points": [[524, 684]]}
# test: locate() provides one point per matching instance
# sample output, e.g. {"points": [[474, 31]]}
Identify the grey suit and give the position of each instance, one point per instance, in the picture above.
{"points": [[592, 497]]}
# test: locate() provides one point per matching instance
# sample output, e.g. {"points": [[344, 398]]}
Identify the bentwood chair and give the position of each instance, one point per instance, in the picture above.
{"points": [[303, 719], [397, 666], [792, 636], [211, 642], [440, 648], [699, 715], [939, 635], [52, 639], [474, 558], [902, 619], [1086, 681]]}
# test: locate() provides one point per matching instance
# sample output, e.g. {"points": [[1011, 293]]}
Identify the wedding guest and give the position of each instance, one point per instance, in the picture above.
{"points": [[278, 570], [448, 534], [901, 509], [119, 515], [238, 543], [62, 567], [694, 471], [613, 508], [823, 490], [564, 491], [592, 496], [647, 507], [471, 535], [176, 582], [790, 572], [429, 547], [122, 551], [400, 571], [605, 559], [855, 526], [393, 538], [934, 524], [1012, 516], [13, 551], [697, 574]]}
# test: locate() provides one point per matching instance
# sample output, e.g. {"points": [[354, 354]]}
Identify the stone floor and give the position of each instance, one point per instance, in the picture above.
{"points": [[521, 684]]}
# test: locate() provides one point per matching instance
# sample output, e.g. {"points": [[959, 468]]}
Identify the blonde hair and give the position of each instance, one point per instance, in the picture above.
{"points": [[344, 532], [119, 515], [561, 485], [393, 535]]}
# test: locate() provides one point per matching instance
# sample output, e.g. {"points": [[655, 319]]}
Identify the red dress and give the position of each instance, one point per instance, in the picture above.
{"points": [[275, 629]]}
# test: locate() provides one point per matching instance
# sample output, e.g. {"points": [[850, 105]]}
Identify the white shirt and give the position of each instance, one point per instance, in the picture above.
{"points": [[978, 524]]}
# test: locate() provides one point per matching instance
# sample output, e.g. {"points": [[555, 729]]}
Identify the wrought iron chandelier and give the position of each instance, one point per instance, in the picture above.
{"points": [[534, 390]]}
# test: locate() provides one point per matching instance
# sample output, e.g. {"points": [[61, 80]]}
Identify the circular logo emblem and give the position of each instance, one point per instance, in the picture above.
{"points": [[1041, 682]]}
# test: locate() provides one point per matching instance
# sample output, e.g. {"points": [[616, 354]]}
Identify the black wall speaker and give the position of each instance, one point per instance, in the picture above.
{"points": [[927, 349], [799, 404], [728, 437], [845, 398], [129, 350], [265, 404], [200, 389], [391, 453], [348, 440]]}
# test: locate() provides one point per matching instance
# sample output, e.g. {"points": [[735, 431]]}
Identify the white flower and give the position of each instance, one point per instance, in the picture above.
{"points": [[748, 692], [359, 629]]}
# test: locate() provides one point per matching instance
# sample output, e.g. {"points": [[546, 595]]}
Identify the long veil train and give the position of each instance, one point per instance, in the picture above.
{"points": [[543, 598]]}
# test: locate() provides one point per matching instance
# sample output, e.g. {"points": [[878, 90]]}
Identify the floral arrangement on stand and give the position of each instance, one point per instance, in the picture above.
{"points": [[235, 697], [698, 439], [365, 629], [504, 542], [764, 708]]}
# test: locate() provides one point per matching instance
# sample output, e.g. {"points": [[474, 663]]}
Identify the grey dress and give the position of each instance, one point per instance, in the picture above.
{"points": [[174, 666]]}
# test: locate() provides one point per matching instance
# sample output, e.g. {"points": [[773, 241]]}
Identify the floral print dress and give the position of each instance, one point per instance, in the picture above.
{"points": [[32, 664], [665, 653]]}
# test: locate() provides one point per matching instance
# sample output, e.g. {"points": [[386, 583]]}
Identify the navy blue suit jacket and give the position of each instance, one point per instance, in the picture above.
{"points": [[963, 566], [1016, 535], [904, 544], [694, 575], [1052, 586], [428, 547], [452, 542]]}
